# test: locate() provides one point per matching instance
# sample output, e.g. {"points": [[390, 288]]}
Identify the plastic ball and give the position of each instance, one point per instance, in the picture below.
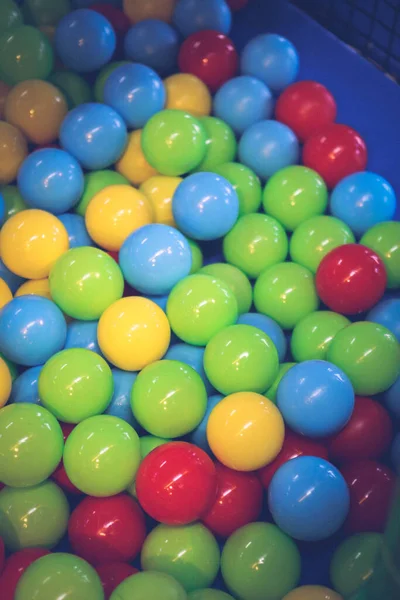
{"points": [[308, 498], [15, 566], [197, 256], [133, 332], [275, 554], [120, 405], [151, 9], [5, 382], [395, 454], [387, 313], [133, 164], [153, 43], [33, 516], [37, 287], [272, 391], [246, 184], [12, 199], [235, 279], [369, 354], [75, 88], [94, 182], [101, 79], [313, 335], [190, 17], [199, 435], [76, 229], [10, 15], [242, 102], [59, 475], [5, 293], [391, 398], [312, 592], [118, 20], [44, 12], [383, 239], [160, 190], [11, 279], [112, 574], [150, 584], [187, 93], [4, 90], [199, 306], [94, 134], [209, 594], [269, 327], [13, 150], [220, 145], [351, 279], [25, 53]]}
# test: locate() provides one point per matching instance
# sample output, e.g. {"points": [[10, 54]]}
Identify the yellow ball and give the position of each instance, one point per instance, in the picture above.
{"points": [[5, 293], [5, 382], [31, 241], [245, 431], [114, 213], [159, 190], [36, 287], [133, 164], [312, 592], [187, 92], [133, 332], [138, 10]]}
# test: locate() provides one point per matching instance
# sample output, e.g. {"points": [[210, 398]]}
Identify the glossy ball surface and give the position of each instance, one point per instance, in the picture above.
{"points": [[221, 145], [387, 313], [149, 584], [77, 233], [312, 592], [153, 43], [235, 279], [189, 16], [26, 53], [15, 566], [188, 93], [160, 189], [313, 335], [245, 183], [112, 574], [96, 181], [384, 240], [269, 327]]}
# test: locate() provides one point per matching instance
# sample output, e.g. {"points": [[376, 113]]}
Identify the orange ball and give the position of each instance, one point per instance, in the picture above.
{"points": [[4, 89], [138, 10], [13, 150], [188, 93], [133, 164]]}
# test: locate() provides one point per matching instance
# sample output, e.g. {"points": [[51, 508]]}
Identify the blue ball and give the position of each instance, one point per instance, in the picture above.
{"points": [[191, 16], [199, 435], [268, 326], [89, 3], [76, 229], [2, 209], [94, 134], [32, 329], [205, 206], [391, 398], [192, 356], [153, 43], [387, 313], [315, 398], [268, 146], [161, 301], [362, 200], [395, 453], [83, 334], [154, 258], [120, 405], [12, 280], [243, 101], [25, 387], [51, 180], [271, 58], [85, 40], [308, 498]]}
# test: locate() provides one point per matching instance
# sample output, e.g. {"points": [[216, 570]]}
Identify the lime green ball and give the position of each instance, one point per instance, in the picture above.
{"points": [[73, 86], [197, 256], [199, 306], [286, 293], [76, 384], [46, 12], [149, 585], [236, 280], [102, 77], [25, 53], [25, 430], [10, 15], [314, 238], [353, 562], [271, 392], [241, 358], [95, 181], [221, 143], [190, 554], [246, 184], [11, 367], [168, 398], [209, 594], [369, 354], [174, 142], [255, 243], [60, 575], [13, 200], [260, 562], [33, 516], [384, 239], [149, 443], [295, 194], [84, 282], [313, 335]]}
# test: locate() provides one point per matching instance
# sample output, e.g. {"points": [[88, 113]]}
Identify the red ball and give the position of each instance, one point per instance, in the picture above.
{"points": [[209, 55], [368, 434], [109, 529], [176, 483], [351, 279], [371, 487], [305, 107], [238, 501], [60, 476], [2, 554], [112, 574], [335, 152], [294, 445], [14, 568], [235, 5], [117, 18]]}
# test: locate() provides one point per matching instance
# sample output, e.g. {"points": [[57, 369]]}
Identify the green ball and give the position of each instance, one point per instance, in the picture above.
{"points": [[102, 77], [313, 335], [241, 358], [13, 200], [190, 554], [25, 430], [60, 575], [221, 143], [174, 142], [384, 239], [246, 184], [314, 238], [149, 443], [33, 516], [25, 53], [199, 306], [76, 384], [353, 562], [236, 280], [286, 293], [11, 367], [75, 89], [102, 455], [197, 256], [209, 594], [260, 562], [271, 392], [369, 354], [295, 194], [168, 398], [44, 13], [10, 15], [255, 243], [150, 585], [94, 183], [84, 282]]}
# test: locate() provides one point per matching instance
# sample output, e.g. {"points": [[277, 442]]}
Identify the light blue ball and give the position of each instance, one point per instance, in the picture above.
{"points": [[32, 329], [268, 146], [191, 16], [308, 498], [76, 229], [161, 301], [25, 387], [94, 134], [85, 40], [192, 356], [387, 313], [271, 58], [120, 405], [205, 206], [268, 326], [51, 180], [153, 43], [154, 258], [199, 435], [83, 334], [362, 200], [315, 398], [391, 398], [12, 280], [395, 453]]}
